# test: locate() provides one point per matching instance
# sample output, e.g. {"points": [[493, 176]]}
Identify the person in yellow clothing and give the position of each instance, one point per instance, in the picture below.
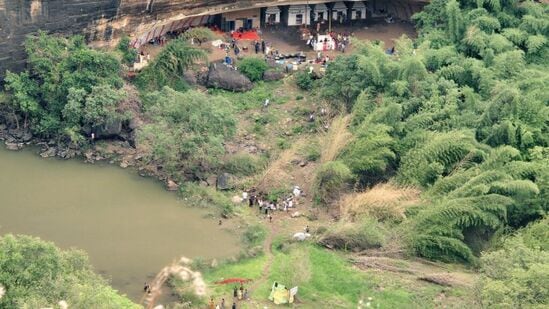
{"points": [[211, 303]]}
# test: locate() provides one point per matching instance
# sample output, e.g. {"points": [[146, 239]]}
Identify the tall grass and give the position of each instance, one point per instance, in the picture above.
{"points": [[385, 202], [366, 234], [336, 139]]}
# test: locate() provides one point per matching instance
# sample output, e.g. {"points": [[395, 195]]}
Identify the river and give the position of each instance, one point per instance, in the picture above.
{"points": [[129, 225]]}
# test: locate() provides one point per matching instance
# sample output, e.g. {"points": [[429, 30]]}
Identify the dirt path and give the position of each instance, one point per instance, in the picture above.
{"points": [[267, 248]]}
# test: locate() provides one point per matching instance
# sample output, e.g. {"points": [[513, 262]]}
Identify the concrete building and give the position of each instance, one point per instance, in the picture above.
{"points": [[339, 12], [358, 10], [320, 12], [246, 19], [299, 15], [272, 15]]}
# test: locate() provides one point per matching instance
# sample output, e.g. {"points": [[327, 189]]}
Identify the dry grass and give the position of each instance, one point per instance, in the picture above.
{"points": [[277, 174], [383, 202], [336, 139]]}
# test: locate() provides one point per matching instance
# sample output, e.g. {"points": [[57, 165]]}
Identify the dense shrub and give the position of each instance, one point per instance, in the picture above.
{"points": [[330, 181], [37, 274], [187, 131], [68, 91], [304, 80], [129, 54], [516, 274], [253, 68]]}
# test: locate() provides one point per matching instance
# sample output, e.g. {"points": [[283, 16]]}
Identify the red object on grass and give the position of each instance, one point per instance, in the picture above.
{"points": [[233, 280]]}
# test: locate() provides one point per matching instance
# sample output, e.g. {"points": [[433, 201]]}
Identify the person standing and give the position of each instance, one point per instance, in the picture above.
{"points": [[222, 303], [263, 45], [257, 46], [234, 305], [211, 303], [235, 292]]}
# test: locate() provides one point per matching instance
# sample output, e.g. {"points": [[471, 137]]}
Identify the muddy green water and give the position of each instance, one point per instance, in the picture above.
{"points": [[129, 225]]}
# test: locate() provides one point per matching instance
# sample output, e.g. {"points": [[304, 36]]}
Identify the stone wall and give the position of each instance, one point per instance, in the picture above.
{"points": [[103, 21]]}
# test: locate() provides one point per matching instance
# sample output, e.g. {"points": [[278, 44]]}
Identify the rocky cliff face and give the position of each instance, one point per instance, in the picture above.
{"points": [[99, 20], [102, 21]]}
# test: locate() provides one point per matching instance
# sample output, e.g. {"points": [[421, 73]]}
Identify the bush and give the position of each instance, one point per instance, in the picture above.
{"points": [[354, 236], [331, 180], [254, 235], [253, 68], [244, 164], [206, 197], [128, 54], [311, 151], [201, 34], [304, 80], [282, 143], [277, 193], [516, 275]]}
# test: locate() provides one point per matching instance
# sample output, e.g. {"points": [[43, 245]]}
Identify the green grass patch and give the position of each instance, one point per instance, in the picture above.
{"points": [[206, 197], [254, 98], [249, 268], [244, 164], [326, 279]]}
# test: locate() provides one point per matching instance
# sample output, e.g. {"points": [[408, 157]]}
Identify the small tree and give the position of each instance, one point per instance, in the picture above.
{"points": [[253, 68], [169, 66], [128, 54]]}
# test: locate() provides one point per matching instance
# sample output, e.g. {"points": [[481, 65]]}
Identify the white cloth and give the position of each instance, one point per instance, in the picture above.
{"points": [[301, 236], [296, 191]]}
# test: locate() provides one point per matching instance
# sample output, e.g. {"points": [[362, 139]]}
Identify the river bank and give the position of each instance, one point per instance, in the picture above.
{"points": [[115, 152]]}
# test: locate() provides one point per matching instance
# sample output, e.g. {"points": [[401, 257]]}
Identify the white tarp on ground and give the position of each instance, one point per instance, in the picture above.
{"points": [[301, 236]]}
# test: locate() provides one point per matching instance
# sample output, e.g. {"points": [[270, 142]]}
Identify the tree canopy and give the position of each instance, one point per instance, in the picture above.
{"points": [[462, 113]]}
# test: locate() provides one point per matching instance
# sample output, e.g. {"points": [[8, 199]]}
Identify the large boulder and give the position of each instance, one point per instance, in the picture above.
{"points": [[225, 181], [190, 78], [221, 76], [112, 128], [272, 75]]}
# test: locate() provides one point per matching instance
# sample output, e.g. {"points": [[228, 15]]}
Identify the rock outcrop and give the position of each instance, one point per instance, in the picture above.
{"points": [[223, 77]]}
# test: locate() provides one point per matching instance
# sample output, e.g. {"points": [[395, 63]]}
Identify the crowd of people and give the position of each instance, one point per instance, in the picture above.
{"points": [[332, 41], [267, 206]]}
